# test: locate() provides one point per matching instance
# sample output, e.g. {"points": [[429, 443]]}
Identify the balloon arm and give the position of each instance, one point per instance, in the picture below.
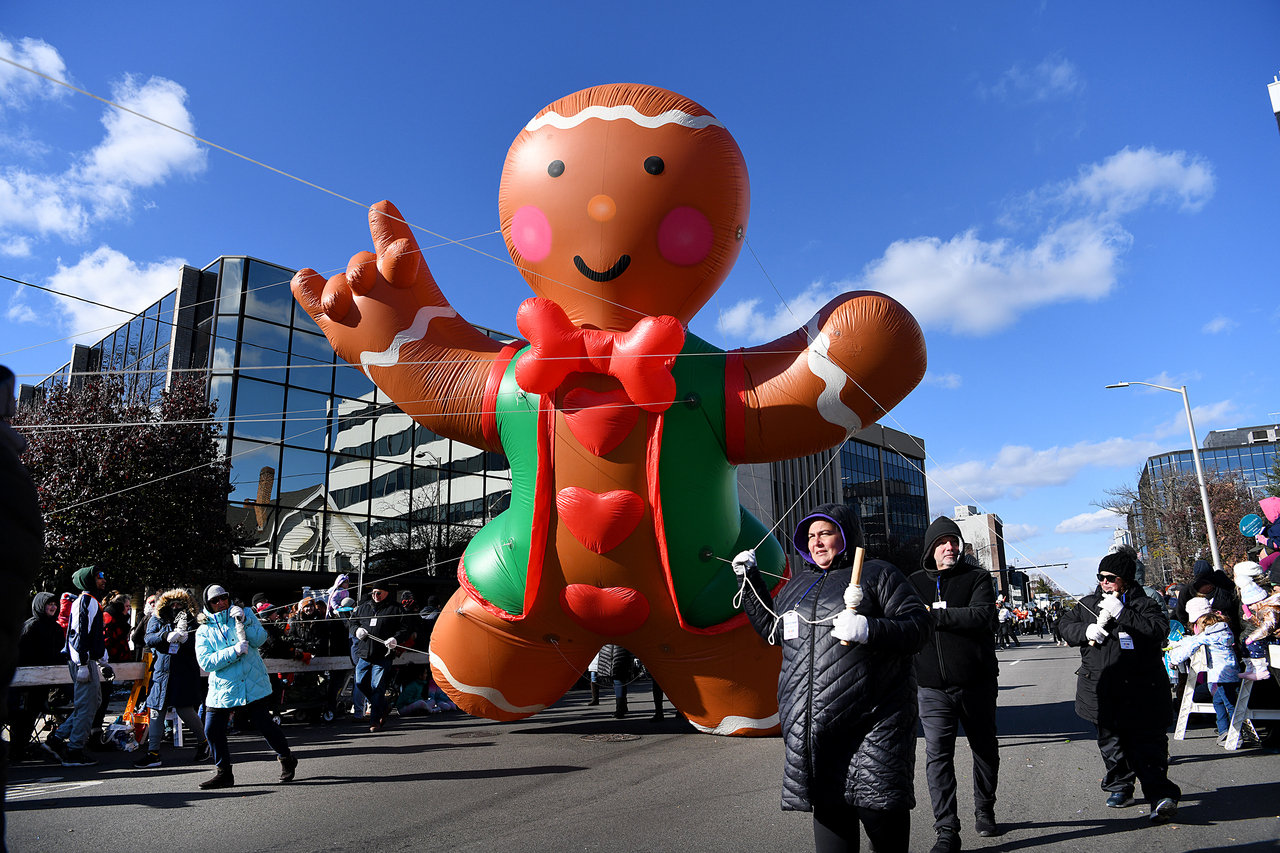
{"points": [[387, 317], [809, 390]]}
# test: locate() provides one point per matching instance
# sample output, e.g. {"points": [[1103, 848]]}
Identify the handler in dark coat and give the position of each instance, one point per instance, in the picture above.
{"points": [[176, 679], [958, 676], [848, 712], [1122, 687]]}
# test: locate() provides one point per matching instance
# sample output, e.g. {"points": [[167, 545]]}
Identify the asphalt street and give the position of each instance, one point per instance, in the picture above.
{"points": [[573, 778]]}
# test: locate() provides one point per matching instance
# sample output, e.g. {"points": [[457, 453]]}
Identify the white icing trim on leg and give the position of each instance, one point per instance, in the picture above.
{"points": [[417, 329], [490, 694], [830, 406], [729, 725]]}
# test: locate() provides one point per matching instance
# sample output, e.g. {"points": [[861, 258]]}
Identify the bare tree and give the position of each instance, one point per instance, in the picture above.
{"points": [[1166, 520]]}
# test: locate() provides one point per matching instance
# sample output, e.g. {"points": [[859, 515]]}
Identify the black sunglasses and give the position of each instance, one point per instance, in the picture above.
{"points": [[217, 598], [1108, 578]]}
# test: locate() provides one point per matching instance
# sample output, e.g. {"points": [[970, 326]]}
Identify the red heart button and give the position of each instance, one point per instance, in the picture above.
{"points": [[610, 611], [600, 420], [600, 522]]}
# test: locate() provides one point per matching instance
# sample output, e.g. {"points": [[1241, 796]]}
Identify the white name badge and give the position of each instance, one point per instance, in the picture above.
{"points": [[939, 605], [790, 625], [373, 621], [1126, 641]]}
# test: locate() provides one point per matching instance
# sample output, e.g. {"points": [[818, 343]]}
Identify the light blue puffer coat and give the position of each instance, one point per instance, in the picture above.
{"points": [[234, 680]]}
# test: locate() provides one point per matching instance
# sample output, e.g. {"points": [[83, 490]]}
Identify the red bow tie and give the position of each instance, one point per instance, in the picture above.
{"points": [[640, 359]]}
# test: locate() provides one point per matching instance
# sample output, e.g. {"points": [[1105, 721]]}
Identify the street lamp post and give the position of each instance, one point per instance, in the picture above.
{"points": [[1195, 455]]}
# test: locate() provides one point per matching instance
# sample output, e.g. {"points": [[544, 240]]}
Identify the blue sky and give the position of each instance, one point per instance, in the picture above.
{"points": [[1065, 194]]}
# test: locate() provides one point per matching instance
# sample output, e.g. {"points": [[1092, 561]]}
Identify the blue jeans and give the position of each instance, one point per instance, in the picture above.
{"points": [[1224, 702], [371, 679], [87, 697]]}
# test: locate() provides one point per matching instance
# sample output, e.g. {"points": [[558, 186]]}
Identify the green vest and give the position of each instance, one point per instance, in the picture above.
{"points": [[698, 494]]}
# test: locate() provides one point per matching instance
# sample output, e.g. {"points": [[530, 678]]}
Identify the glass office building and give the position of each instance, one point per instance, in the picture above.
{"points": [[882, 477], [327, 474]]}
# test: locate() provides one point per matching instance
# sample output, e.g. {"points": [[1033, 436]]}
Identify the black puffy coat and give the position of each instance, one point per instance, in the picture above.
{"points": [[383, 621], [1224, 596], [1115, 686], [176, 678], [848, 713]]}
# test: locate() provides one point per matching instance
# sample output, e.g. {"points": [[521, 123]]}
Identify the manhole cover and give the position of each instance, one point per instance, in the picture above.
{"points": [[611, 738], [473, 735]]}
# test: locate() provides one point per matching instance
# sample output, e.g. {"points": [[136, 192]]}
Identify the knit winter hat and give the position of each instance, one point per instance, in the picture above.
{"points": [[1196, 608], [212, 591], [1120, 564], [258, 599], [1252, 593], [83, 578]]}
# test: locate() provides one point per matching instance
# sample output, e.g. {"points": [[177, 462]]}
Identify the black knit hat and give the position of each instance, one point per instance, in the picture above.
{"points": [[1119, 564]]}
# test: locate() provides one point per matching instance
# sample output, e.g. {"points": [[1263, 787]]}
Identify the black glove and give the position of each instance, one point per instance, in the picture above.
{"points": [[108, 674]]}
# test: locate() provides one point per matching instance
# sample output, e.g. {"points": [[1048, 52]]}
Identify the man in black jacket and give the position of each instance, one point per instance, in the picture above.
{"points": [[379, 629], [958, 673], [1122, 687]]}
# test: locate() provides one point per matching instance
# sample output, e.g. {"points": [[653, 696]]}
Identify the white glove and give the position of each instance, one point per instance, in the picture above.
{"points": [[236, 612], [1096, 634], [1111, 605], [82, 674], [851, 627], [361, 633], [852, 596], [744, 561], [391, 644], [242, 647], [178, 637]]}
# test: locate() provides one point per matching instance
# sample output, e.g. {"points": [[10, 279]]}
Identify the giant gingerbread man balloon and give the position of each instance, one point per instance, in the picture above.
{"points": [[624, 207]]}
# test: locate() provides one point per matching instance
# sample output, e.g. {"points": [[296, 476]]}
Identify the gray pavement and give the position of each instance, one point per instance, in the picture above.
{"points": [[558, 782]]}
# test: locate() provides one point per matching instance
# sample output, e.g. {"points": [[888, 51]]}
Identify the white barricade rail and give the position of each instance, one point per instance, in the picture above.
{"points": [[34, 676]]}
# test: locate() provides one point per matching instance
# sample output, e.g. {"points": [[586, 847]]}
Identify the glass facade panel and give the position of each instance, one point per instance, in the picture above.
{"points": [[307, 419], [267, 295], [230, 285], [351, 382], [249, 461], [353, 427], [258, 409], [302, 477], [306, 354], [349, 480]]}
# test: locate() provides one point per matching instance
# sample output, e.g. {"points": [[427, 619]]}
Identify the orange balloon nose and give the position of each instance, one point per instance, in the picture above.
{"points": [[601, 208]]}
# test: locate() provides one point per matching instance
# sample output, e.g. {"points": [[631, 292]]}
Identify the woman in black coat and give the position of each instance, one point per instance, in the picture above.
{"points": [[1122, 687], [848, 709], [176, 679]]}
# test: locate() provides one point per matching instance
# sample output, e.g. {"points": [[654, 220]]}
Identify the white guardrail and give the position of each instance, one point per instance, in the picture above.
{"points": [[34, 676]]}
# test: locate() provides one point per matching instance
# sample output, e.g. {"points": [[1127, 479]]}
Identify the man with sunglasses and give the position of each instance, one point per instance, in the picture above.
{"points": [[379, 628], [86, 650], [1122, 687]]}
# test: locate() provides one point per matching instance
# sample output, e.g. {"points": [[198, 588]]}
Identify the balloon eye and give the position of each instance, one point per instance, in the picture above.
{"points": [[556, 169], [654, 165]]}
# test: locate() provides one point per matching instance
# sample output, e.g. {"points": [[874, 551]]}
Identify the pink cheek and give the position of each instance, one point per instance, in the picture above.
{"points": [[685, 237], [531, 232]]}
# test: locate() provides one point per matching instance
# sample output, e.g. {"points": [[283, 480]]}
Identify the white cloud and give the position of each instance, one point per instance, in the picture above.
{"points": [[1214, 414], [107, 276], [1130, 179], [1054, 78], [18, 86], [1219, 324], [133, 155], [1091, 522], [974, 286], [1017, 470], [1021, 532], [942, 380]]}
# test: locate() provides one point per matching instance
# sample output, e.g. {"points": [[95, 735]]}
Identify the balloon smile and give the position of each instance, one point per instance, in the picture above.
{"points": [[608, 275]]}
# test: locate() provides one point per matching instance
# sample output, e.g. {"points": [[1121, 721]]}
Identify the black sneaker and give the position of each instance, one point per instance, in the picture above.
{"points": [[948, 841], [1164, 810], [1120, 800], [985, 824], [202, 752], [55, 746], [78, 758], [288, 764], [147, 760]]}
